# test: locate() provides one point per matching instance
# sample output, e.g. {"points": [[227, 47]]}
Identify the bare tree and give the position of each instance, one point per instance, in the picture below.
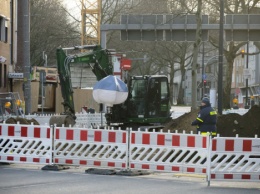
{"points": [[50, 28], [195, 56], [161, 57], [154, 52], [231, 49]]}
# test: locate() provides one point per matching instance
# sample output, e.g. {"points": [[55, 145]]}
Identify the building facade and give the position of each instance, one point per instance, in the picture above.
{"points": [[5, 53], [207, 75], [246, 68]]}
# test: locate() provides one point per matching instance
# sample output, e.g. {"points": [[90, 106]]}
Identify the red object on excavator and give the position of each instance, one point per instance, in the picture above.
{"points": [[125, 64]]}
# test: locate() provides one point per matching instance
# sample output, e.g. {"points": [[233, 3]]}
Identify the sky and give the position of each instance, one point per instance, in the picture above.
{"points": [[71, 3], [73, 6]]}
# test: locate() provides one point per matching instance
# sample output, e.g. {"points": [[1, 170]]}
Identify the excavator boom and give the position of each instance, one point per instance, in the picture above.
{"points": [[100, 62]]}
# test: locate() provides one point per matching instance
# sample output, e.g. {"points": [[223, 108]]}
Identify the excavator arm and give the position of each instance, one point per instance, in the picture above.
{"points": [[99, 61]]}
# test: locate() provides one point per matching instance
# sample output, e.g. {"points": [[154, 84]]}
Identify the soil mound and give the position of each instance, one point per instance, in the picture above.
{"points": [[21, 120], [247, 125], [182, 123], [229, 125]]}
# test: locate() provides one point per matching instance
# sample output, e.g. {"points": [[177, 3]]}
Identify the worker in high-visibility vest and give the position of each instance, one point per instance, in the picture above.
{"points": [[19, 108], [235, 103], [8, 109], [207, 119]]}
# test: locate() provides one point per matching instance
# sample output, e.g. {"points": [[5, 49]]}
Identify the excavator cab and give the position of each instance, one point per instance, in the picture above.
{"points": [[148, 99], [147, 103]]}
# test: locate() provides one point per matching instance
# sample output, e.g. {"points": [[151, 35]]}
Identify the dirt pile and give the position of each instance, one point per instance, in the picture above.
{"points": [[21, 120], [182, 123], [247, 125]]}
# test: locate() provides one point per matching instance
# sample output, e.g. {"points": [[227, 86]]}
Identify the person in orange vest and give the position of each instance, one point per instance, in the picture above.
{"points": [[235, 103], [8, 109]]}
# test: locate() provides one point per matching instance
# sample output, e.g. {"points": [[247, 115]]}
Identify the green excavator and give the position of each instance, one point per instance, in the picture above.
{"points": [[148, 98]]}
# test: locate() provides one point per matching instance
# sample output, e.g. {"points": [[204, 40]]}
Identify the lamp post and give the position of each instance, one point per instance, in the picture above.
{"points": [[23, 47], [220, 67], [247, 60]]}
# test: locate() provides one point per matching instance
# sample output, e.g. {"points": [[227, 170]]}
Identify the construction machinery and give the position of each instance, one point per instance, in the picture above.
{"points": [[147, 103]]}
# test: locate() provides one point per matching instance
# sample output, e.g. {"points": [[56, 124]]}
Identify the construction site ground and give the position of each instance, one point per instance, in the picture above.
{"points": [[228, 125]]}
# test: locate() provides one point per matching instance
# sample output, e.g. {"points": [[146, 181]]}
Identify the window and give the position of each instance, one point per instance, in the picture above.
{"points": [[208, 68], [6, 34], [5, 75], [3, 29], [164, 90], [1, 77], [198, 70]]}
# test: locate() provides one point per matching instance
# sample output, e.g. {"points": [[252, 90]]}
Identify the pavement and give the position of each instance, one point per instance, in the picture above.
{"points": [[199, 178]]}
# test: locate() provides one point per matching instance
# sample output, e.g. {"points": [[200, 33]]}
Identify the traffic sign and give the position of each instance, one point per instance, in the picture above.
{"points": [[15, 75]]}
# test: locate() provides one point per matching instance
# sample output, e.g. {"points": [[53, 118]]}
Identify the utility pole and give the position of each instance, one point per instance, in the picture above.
{"points": [[220, 66], [24, 50], [203, 71], [247, 61]]}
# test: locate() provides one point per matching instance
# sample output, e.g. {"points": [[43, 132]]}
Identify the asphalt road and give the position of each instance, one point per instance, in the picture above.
{"points": [[24, 179]]}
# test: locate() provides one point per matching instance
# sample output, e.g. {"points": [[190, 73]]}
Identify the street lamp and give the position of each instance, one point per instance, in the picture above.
{"points": [[242, 53]]}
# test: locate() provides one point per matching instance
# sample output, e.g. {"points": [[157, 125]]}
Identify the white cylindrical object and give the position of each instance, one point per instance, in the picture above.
{"points": [[212, 97], [110, 90]]}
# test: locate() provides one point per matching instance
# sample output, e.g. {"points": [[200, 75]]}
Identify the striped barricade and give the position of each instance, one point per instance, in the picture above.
{"points": [[25, 144], [168, 152], [235, 159], [90, 147]]}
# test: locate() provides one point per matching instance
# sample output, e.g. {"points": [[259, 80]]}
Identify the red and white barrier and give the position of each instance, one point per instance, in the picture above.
{"points": [[236, 145], [25, 144], [91, 147], [235, 159], [230, 158], [168, 152]]}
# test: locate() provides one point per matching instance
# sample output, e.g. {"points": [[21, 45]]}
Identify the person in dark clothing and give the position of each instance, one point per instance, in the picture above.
{"points": [[207, 119], [252, 101]]}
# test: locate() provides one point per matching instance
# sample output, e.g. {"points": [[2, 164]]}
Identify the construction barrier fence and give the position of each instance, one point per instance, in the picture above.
{"points": [[26, 144], [219, 158], [235, 159], [93, 148]]}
